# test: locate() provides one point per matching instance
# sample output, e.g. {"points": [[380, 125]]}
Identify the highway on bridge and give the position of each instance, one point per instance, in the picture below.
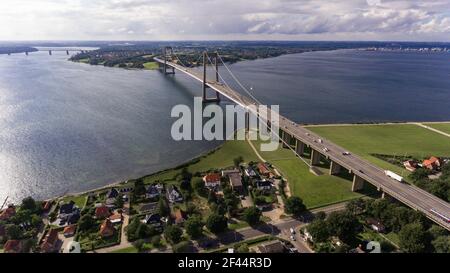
{"points": [[410, 195]]}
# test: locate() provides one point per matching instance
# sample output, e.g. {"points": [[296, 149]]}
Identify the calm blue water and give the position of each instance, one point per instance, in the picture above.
{"points": [[68, 127]]}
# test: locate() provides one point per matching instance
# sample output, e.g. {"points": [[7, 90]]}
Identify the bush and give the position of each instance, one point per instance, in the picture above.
{"points": [[216, 223], [173, 234]]}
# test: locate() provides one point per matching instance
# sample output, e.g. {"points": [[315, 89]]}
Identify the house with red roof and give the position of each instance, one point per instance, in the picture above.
{"points": [[69, 231], [8, 213], [179, 216], [432, 163], [212, 180], [12, 246], [107, 229], [102, 212], [51, 242], [263, 170]]}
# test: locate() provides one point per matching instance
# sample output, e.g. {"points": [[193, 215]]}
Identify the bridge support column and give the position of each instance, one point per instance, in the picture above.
{"points": [[49, 52], [334, 168], [315, 157], [67, 52], [299, 147], [358, 183], [286, 139], [204, 86], [247, 121], [26, 53]]}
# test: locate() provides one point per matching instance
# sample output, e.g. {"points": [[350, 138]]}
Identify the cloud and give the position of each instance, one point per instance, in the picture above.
{"points": [[227, 19]]}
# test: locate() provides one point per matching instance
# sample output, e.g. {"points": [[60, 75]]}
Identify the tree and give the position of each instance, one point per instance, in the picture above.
{"points": [[216, 223], [139, 245], [212, 198], [156, 241], [119, 202], [356, 206], [419, 174], [194, 226], [344, 225], [28, 203], [86, 222], [441, 244], [436, 231], [163, 207], [412, 238], [237, 161], [14, 232], [243, 248], [294, 205], [252, 215], [319, 231], [181, 247], [321, 215], [36, 220], [139, 187], [173, 234], [185, 174], [199, 186]]}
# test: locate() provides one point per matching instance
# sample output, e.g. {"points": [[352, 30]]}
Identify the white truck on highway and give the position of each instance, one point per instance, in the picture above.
{"points": [[393, 175]]}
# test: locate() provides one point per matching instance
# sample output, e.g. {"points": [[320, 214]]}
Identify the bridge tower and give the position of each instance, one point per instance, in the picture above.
{"points": [[167, 53], [214, 58]]}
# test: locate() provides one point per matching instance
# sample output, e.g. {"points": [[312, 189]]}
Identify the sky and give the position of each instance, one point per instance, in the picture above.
{"points": [[398, 20]]}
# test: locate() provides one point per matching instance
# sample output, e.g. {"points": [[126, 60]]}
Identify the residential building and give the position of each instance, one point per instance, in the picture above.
{"points": [[236, 182], [116, 218], [7, 213], [179, 217], [264, 185], [152, 219], [112, 193], [152, 192], [263, 170], [102, 212], [410, 165], [107, 229], [67, 208], [51, 242], [250, 172], [12, 246], [432, 163], [174, 195], [271, 247], [69, 231], [212, 180]]}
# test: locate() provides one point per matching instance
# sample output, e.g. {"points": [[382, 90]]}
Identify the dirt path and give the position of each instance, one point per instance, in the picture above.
{"points": [[432, 129]]}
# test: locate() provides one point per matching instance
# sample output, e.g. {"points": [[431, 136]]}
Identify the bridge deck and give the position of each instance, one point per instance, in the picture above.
{"points": [[410, 195]]}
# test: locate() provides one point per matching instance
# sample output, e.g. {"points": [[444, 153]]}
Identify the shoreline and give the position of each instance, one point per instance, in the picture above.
{"points": [[190, 161]]}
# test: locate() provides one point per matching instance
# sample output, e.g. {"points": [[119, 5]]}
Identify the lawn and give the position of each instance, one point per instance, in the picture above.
{"points": [[316, 191], [220, 158], [80, 200], [389, 139], [151, 65], [130, 249], [444, 127]]}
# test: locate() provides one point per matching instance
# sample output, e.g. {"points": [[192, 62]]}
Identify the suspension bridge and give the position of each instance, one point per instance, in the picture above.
{"points": [[297, 138]]}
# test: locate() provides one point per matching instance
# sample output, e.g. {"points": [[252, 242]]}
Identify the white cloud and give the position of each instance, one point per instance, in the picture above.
{"points": [[224, 19]]}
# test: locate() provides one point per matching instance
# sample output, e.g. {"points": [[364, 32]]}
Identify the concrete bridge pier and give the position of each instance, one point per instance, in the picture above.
{"points": [[358, 183], [286, 139], [247, 121], [315, 157], [67, 52], [26, 53], [334, 168], [49, 52], [299, 147], [168, 51]]}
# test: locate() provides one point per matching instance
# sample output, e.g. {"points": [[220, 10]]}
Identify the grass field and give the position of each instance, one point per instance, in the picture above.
{"points": [[444, 127], [79, 200], [151, 65], [389, 139], [220, 158], [130, 249], [316, 191]]}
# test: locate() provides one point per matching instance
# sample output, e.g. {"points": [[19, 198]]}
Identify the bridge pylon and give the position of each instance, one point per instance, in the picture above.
{"points": [[214, 58], [167, 53]]}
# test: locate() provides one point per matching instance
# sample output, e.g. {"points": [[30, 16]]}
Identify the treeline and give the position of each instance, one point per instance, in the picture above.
{"points": [[439, 187], [16, 49]]}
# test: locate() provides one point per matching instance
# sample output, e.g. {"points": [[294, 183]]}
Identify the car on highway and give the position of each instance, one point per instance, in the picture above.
{"points": [[292, 231], [320, 140], [326, 149], [361, 171], [345, 153], [293, 238]]}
